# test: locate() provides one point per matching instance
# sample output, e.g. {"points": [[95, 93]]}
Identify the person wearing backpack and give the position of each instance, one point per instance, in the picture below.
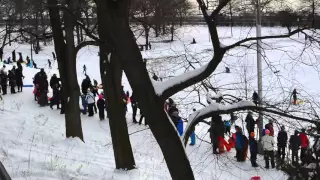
{"points": [[91, 102], [268, 144]]}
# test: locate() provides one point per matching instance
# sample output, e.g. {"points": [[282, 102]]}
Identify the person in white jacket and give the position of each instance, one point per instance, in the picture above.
{"points": [[91, 101], [268, 144]]}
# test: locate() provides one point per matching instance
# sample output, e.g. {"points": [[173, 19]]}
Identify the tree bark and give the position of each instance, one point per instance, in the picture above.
{"points": [[66, 58], [111, 75], [115, 16]]}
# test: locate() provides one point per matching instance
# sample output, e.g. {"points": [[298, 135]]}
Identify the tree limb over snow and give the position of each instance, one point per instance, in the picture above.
{"points": [[216, 108], [239, 43]]}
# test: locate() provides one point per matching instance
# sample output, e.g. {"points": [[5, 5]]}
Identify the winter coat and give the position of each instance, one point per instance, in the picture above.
{"points": [[53, 81], [101, 104], [239, 141], [227, 123], [282, 139], [19, 76], [250, 123], [12, 79], [304, 140], [267, 143], [90, 98], [174, 114], [294, 142], [84, 100], [253, 146]]}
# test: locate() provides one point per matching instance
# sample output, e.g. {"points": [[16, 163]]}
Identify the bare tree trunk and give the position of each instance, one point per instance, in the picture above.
{"points": [[66, 58], [115, 16], [146, 31], [111, 75]]}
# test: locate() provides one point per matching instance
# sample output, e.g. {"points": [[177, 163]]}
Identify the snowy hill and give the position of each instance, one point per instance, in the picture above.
{"points": [[33, 143]]}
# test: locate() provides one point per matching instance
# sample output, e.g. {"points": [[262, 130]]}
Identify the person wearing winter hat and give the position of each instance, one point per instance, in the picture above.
{"points": [[253, 150], [101, 103], [267, 144]]}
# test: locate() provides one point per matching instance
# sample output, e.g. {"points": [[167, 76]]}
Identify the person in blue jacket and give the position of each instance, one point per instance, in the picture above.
{"points": [[239, 144]]}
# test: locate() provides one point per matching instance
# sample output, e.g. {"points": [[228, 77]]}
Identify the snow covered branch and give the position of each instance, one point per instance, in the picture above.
{"points": [[219, 8], [240, 43], [178, 83], [216, 108]]}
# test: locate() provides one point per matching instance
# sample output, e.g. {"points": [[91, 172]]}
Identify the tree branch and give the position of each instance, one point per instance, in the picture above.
{"points": [[239, 43], [219, 8], [215, 109], [83, 44]]}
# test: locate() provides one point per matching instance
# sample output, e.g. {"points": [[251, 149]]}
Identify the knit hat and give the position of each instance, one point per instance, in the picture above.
{"points": [[252, 134], [100, 96], [267, 131]]}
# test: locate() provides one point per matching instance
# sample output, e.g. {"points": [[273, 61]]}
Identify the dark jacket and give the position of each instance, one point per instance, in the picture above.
{"points": [[101, 104], [174, 114], [282, 139], [54, 81], [253, 146], [294, 142], [19, 76], [250, 122], [12, 79]]}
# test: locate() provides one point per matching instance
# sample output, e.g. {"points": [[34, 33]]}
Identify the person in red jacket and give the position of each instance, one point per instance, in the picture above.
{"points": [[304, 144]]}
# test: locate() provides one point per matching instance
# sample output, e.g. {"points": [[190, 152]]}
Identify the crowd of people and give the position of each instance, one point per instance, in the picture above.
{"points": [[13, 77]]}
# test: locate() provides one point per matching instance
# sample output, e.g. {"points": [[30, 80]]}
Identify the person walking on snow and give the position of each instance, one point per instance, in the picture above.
{"points": [[91, 102], [282, 143], [134, 105], [268, 144], [19, 77], [294, 95], [54, 56], [240, 145], [49, 64], [12, 81], [101, 106], [294, 145], [304, 140], [14, 55], [84, 69], [55, 97], [253, 150]]}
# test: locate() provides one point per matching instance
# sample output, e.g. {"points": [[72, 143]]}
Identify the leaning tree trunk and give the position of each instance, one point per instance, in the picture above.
{"points": [[66, 58], [111, 75], [120, 36]]}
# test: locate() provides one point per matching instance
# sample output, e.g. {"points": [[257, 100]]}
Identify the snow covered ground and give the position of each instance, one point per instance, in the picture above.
{"points": [[33, 144]]}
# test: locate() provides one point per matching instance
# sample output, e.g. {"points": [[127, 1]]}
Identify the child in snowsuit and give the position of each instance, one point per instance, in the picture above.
{"points": [[101, 106], [240, 145], [91, 102], [253, 150]]}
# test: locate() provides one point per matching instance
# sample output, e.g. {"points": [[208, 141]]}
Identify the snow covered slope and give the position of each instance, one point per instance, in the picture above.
{"points": [[33, 144]]}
